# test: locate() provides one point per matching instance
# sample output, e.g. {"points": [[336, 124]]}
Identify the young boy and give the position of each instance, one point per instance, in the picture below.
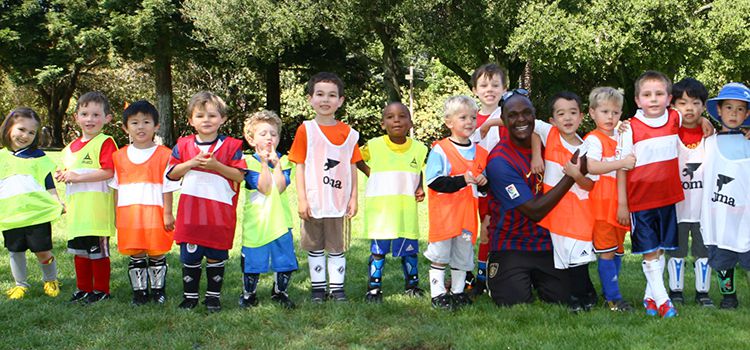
{"points": [[267, 218], [725, 213], [144, 203], [648, 193], [454, 170], [207, 163], [88, 166], [325, 151], [394, 167], [570, 222], [605, 108], [689, 97]]}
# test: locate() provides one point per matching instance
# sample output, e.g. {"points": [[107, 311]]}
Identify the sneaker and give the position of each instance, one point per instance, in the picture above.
{"points": [[478, 290], [283, 299], [188, 303], [650, 306], [703, 299], [667, 310], [574, 305], [729, 302], [140, 297], [589, 301], [78, 295], [17, 292], [52, 288], [248, 300], [159, 296], [374, 296], [618, 305], [677, 297], [318, 296], [442, 301], [213, 304], [460, 300], [414, 292], [95, 297], [337, 295]]}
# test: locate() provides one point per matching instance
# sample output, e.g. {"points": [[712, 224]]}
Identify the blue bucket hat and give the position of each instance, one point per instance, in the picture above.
{"points": [[731, 91]]}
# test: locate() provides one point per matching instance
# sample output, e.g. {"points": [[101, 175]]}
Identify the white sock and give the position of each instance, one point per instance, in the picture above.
{"points": [[437, 280], [702, 275], [676, 269], [18, 268], [336, 271], [458, 281], [317, 261], [655, 277]]}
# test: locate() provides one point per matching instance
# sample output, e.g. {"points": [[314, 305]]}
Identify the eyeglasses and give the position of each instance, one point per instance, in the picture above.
{"points": [[508, 94]]}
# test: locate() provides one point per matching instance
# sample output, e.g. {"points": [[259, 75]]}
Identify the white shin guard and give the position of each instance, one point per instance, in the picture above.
{"points": [[702, 275], [676, 268]]}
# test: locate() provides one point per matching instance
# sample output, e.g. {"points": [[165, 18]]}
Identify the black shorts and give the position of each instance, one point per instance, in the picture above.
{"points": [[91, 247], [511, 275], [724, 259], [36, 238]]}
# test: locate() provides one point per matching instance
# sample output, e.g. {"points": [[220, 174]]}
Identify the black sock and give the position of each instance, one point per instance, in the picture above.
{"points": [[191, 279], [282, 282], [250, 283], [215, 277]]}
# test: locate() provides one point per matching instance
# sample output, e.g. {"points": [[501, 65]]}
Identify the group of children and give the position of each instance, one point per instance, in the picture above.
{"points": [[656, 170]]}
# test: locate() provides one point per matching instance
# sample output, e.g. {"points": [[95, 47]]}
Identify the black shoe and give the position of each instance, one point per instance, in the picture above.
{"points": [[574, 305], [140, 297], [159, 296], [374, 296], [677, 297], [213, 304], [247, 301], [460, 300], [589, 301], [78, 295], [478, 290], [283, 299], [414, 291], [337, 295], [95, 297], [318, 296], [442, 301], [618, 305], [729, 302], [704, 300], [188, 303]]}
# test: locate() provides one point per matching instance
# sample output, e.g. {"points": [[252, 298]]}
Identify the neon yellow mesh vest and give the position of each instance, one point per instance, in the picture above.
{"points": [[90, 205], [390, 205], [24, 201], [265, 218]]}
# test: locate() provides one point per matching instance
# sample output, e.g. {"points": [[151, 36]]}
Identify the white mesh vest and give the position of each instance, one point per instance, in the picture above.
{"points": [[691, 176]]}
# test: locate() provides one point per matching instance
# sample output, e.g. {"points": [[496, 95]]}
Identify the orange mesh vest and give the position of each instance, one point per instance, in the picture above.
{"points": [[603, 198]]}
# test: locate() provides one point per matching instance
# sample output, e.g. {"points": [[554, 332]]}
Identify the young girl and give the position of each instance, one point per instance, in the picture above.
{"points": [[28, 201]]}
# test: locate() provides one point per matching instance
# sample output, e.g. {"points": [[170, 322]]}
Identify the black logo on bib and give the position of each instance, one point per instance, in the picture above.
{"points": [[330, 164], [87, 159], [690, 169], [718, 197], [413, 163]]}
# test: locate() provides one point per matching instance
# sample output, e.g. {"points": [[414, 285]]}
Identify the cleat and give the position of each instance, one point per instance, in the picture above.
{"points": [[618, 305], [442, 301], [414, 292], [704, 300], [283, 299], [337, 295], [140, 297], [248, 300], [78, 295], [460, 300], [374, 296], [213, 304], [677, 297], [159, 296], [95, 297], [52, 288], [589, 301], [17, 292], [575, 306], [318, 296], [729, 302], [667, 310], [650, 306], [188, 303]]}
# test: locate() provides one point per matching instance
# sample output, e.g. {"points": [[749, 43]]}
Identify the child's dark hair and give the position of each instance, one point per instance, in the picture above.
{"points": [[95, 97], [565, 95], [140, 106], [324, 77], [10, 120], [395, 103], [690, 86], [652, 75], [490, 70]]}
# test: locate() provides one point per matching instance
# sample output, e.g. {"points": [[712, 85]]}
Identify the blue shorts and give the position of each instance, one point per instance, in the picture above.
{"points": [[399, 246], [280, 252], [724, 259], [194, 253], [653, 229]]}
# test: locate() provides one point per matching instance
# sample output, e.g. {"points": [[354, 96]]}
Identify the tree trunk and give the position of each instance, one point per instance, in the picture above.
{"points": [[453, 66], [273, 87], [164, 104], [527, 76], [57, 100], [391, 68]]}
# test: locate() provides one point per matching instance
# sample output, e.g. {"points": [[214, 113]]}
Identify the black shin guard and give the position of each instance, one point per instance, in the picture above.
{"points": [[282, 282], [726, 282]]}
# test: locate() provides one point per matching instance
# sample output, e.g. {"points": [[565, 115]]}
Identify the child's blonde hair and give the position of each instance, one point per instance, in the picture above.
{"points": [[454, 104], [263, 116], [200, 99], [605, 93]]}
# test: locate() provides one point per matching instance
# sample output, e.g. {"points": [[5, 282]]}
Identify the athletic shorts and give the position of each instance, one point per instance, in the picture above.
{"points": [[90, 247], [193, 253], [724, 259], [608, 238], [36, 238], [571, 252], [279, 253], [653, 229], [329, 234], [458, 252], [398, 246], [511, 276], [697, 248]]}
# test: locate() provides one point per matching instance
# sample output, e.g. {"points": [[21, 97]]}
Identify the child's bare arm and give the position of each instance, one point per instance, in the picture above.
{"points": [[224, 170], [279, 178], [485, 128], [363, 167], [68, 176], [168, 215], [707, 127], [265, 181], [179, 170], [54, 194], [537, 160], [303, 208], [623, 213], [601, 167], [351, 209]]}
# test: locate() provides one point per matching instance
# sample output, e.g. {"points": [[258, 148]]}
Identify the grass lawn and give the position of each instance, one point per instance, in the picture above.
{"points": [[38, 321]]}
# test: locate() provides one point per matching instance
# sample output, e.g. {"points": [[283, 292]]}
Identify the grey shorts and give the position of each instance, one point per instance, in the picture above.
{"points": [[329, 234], [458, 252], [723, 259], [687, 230]]}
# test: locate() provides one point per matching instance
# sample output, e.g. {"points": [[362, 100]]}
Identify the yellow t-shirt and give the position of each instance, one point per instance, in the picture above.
{"points": [[395, 147]]}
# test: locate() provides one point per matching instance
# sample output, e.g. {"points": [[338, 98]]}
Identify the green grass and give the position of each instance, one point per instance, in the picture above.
{"points": [[38, 321]]}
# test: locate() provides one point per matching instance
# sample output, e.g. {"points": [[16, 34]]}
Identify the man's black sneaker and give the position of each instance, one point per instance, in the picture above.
{"points": [[188, 303], [374, 296], [337, 295], [248, 300], [78, 295], [478, 290], [140, 297], [704, 300], [589, 301], [95, 297], [159, 296], [729, 302], [442, 301], [574, 305], [213, 304], [460, 300], [677, 297], [283, 299]]}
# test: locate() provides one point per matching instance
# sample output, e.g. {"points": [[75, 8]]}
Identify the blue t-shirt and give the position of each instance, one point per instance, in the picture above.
{"points": [[36, 153]]}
